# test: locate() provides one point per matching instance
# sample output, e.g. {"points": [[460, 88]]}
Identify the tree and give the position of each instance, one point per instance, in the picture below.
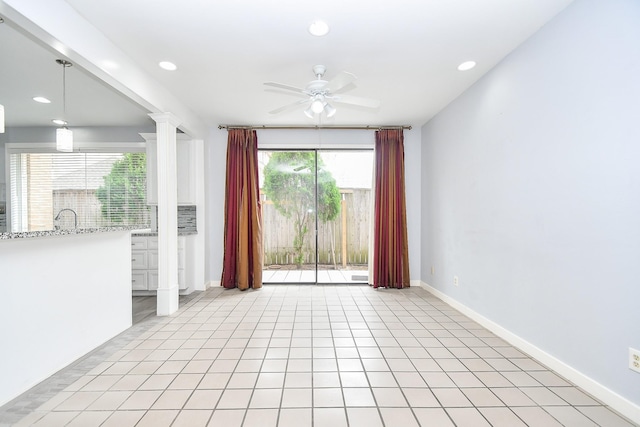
{"points": [[289, 181], [123, 194]]}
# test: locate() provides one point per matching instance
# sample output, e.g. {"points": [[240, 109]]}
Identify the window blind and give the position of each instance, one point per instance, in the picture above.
{"points": [[77, 190]]}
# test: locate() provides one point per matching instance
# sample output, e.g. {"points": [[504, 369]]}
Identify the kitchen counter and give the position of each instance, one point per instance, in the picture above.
{"points": [[65, 232], [155, 233], [62, 297]]}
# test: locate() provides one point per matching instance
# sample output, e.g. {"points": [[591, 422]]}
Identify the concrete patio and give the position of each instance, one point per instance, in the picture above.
{"points": [[308, 276]]}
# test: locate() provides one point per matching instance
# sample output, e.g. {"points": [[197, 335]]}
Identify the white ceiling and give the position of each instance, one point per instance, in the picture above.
{"points": [[404, 53], [29, 69]]}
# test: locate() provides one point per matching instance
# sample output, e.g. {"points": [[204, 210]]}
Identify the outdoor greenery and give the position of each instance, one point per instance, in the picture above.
{"points": [[289, 182], [123, 194]]}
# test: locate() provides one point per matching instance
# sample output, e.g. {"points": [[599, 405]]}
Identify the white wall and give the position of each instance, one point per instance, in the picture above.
{"points": [[531, 193], [3, 193], [216, 156], [60, 298]]}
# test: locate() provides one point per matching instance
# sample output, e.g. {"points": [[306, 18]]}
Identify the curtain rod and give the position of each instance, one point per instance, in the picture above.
{"points": [[312, 127]]}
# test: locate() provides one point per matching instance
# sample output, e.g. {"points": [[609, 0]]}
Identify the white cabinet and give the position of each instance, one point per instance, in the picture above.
{"points": [[144, 263], [185, 162]]}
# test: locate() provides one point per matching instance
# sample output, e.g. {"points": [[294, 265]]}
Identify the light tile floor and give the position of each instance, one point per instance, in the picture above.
{"points": [[296, 355]]}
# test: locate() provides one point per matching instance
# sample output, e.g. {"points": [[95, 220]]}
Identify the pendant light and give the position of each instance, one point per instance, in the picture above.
{"points": [[64, 137]]}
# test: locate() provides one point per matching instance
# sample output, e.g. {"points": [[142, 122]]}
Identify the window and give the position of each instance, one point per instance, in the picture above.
{"points": [[51, 190], [316, 208]]}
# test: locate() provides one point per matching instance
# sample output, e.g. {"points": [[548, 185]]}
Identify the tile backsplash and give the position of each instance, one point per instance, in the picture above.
{"points": [[186, 219]]}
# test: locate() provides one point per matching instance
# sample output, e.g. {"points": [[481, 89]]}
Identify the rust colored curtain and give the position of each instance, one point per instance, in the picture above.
{"points": [[390, 249], [242, 266]]}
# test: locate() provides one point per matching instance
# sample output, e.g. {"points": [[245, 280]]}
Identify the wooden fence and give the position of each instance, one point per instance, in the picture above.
{"points": [[344, 241]]}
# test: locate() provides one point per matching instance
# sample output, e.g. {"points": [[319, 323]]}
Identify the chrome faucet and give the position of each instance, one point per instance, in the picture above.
{"points": [[75, 216]]}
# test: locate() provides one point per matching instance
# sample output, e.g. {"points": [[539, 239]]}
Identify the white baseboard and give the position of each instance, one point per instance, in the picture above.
{"points": [[607, 396], [212, 284]]}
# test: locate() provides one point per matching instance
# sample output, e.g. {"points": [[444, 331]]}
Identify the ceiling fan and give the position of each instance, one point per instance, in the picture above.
{"points": [[319, 92]]}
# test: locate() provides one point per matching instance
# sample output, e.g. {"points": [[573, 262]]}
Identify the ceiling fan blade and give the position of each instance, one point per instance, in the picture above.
{"points": [[356, 100], [342, 82], [289, 106], [288, 93], [285, 87]]}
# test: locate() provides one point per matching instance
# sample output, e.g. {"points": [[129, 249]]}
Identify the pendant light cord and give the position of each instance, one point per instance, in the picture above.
{"points": [[64, 64], [64, 93]]}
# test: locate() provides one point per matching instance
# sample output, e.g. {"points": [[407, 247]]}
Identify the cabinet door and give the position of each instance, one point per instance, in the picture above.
{"points": [[153, 242], [153, 280], [153, 259], [139, 260], [139, 281]]}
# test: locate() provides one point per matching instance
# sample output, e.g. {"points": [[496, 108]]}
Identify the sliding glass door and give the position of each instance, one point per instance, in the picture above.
{"points": [[316, 206]]}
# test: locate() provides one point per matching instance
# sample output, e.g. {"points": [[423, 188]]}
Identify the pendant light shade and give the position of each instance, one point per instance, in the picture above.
{"points": [[64, 137], [64, 140], [1, 118]]}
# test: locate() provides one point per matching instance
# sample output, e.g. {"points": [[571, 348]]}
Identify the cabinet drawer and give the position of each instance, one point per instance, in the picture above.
{"points": [[138, 243], [139, 281], [139, 260]]}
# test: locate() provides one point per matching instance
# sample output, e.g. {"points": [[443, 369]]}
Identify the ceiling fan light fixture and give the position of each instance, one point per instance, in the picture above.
{"points": [[309, 113], [330, 110], [317, 106]]}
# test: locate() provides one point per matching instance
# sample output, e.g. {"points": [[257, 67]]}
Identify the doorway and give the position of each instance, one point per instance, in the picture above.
{"points": [[316, 208]]}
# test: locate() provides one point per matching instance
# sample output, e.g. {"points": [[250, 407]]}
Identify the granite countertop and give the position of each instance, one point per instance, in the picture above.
{"points": [[66, 232], [155, 233]]}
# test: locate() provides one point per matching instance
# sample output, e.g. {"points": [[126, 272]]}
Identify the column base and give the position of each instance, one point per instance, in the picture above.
{"points": [[167, 302]]}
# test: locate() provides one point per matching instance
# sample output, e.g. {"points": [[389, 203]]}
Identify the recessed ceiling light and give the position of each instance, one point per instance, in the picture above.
{"points": [[59, 122], [465, 66], [319, 28], [41, 99], [169, 66]]}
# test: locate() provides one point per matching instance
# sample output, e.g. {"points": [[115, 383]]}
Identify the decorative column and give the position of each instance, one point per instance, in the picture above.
{"points": [[343, 210], [167, 301]]}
